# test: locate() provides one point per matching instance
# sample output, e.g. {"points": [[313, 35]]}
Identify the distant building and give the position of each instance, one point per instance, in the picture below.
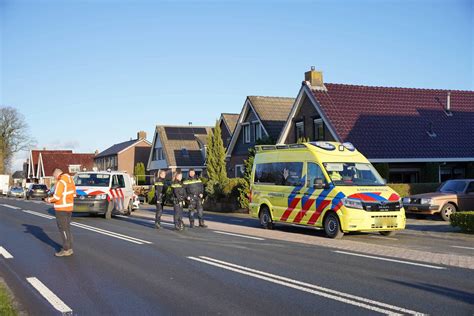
{"points": [[410, 130], [227, 123], [260, 118], [182, 147], [125, 156], [41, 164]]}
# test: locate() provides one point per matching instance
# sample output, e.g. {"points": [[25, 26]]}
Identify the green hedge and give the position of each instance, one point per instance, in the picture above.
{"points": [[407, 189], [463, 220]]}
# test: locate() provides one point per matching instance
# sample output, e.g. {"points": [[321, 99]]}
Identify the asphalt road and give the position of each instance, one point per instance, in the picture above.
{"points": [[124, 267]]}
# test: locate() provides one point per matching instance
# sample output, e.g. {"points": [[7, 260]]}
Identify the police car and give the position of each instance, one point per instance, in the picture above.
{"points": [[103, 192]]}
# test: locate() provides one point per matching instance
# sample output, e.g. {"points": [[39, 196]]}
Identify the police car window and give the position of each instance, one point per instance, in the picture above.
{"points": [[92, 180], [121, 181], [314, 172]]}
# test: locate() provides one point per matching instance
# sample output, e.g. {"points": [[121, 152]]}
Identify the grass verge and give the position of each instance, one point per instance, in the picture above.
{"points": [[6, 303]]}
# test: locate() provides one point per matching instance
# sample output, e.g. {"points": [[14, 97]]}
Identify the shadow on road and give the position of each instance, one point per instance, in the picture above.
{"points": [[39, 233], [458, 295]]}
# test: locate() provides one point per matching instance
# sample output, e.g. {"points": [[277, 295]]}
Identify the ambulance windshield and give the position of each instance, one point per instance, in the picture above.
{"points": [[353, 174], [92, 180]]}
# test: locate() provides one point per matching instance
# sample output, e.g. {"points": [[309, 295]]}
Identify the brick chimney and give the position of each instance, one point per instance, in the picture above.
{"points": [[141, 135], [314, 78]]}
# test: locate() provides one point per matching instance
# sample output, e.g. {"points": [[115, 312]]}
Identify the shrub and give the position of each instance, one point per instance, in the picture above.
{"points": [[463, 220], [150, 198], [407, 189]]}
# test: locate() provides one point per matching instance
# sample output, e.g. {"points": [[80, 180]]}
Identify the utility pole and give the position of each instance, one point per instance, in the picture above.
{"points": [[2, 167]]}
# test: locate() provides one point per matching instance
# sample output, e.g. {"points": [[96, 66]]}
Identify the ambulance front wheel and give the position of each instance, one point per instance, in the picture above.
{"points": [[266, 218], [388, 233], [332, 226]]}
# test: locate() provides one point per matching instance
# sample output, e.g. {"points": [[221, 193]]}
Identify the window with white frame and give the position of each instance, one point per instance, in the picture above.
{"points": [[74, 168], [299, 130], [246, 133], [258, 131], [318, 128], [239, 171]]}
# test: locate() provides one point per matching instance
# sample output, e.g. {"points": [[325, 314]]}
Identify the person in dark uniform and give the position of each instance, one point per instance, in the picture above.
{"points": [[160, 194], [179, 197], [195, 192]]}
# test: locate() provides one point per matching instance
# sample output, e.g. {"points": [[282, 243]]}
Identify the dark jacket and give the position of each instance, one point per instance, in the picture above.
{"points": [[179, 191], [160, 189], [194, 187]]}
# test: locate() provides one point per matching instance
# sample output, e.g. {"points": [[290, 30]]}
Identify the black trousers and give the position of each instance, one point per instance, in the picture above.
{"points": [[63, 219], [159, 212], [178, 213], [195, 205]]}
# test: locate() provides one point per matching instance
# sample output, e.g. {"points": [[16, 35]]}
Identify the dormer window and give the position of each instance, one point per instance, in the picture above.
{"points": [[246, 133], [299, 130]]}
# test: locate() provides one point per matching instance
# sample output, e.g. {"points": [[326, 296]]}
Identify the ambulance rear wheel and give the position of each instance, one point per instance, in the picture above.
{"points": [[266, 218], [332, 227]]}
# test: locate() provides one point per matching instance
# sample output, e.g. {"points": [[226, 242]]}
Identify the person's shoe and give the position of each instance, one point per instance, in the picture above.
{"points": [[201, 224], [69, 252], [157, 225], [191, 224], [62, 253]]}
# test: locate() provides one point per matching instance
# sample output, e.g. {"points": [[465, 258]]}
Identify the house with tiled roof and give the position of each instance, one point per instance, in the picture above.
{"points": [[179, 147], [41, 164], [409, 130], [126, 155], [261, 118], [227, 123]]}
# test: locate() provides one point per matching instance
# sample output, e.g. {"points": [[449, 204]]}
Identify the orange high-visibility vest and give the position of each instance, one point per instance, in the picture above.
{"points": [[64, 193]]}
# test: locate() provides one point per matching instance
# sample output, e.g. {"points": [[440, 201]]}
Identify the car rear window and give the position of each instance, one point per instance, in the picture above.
{"points": [[39, 187]]}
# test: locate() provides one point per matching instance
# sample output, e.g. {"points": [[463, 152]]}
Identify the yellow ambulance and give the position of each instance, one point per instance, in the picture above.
{"points": [[322, 184]]}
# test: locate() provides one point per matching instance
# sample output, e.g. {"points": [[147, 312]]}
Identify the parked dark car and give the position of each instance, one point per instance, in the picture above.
{"points": [[37, 191], [17, 192]]}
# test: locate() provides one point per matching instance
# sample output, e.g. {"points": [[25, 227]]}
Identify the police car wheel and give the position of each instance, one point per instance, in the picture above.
{"points": [[332, 227], [266, 218], [108, 212], [128, 212]]}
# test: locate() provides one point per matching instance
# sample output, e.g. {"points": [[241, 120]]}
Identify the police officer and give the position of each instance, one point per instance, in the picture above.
{"points": [[160, 194], [179, 197], [195, 192]]}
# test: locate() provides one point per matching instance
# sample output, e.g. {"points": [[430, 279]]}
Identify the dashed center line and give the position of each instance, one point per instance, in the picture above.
{"points": [[39, 214], [52, 298], [391, 260], [462, 247], [5, 253], [11, 206], [237, 235]]}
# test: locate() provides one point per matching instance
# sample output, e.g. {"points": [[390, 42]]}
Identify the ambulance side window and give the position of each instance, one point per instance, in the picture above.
{"points": [[314, 172], [115, 182]]}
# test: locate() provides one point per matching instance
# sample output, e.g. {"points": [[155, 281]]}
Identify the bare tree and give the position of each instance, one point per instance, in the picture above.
{"points": [[14, 134]]}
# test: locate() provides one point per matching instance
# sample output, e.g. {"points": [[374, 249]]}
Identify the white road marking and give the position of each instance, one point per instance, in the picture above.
{"points": [[461, 247], [5, 253], [144, 220], [112, 234], [39, 214], [11, 206], [382, 237], [55, 301], [237, 235], [309, 288], [391, 260]]}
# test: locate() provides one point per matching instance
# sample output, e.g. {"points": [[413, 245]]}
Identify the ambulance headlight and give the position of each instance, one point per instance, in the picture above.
{"points": [[352, 203], [101, 197]]}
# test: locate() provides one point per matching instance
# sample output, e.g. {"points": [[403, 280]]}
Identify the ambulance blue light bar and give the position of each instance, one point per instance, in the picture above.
{"points": [[324, 145]]}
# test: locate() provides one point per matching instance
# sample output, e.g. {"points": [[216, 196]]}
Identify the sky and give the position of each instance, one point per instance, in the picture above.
{"points": [[88, 74]]}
